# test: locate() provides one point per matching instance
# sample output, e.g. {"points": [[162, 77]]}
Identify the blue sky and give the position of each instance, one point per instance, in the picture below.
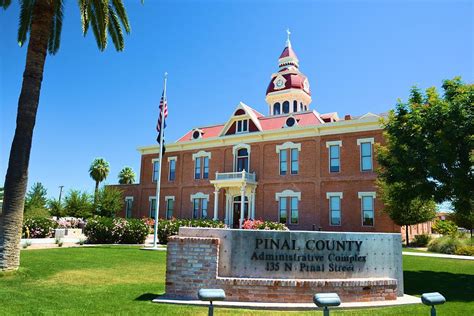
{"points": [[359, 56]]}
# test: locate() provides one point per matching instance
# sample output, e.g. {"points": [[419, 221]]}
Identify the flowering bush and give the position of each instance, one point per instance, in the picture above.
{"points": [[38, 227], [105, 230], [167, 228], [70, 222], [265, 225]]}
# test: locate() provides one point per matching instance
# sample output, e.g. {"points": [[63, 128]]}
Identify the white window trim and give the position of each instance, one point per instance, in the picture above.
{"points": [[196, 130], [373, 196], [153, 167], [340, 195], [292, 116], [202, 153], [199, 195], [235, 149], [287, 193], [334, 143], [288, 145], [175, 159], [169, 197], [365, 140]]}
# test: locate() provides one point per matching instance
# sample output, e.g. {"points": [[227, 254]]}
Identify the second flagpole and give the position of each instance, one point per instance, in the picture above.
{"points": [[160, 162]]}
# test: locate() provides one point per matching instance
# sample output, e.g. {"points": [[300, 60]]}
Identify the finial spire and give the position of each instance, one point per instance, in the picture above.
{"points": [[288, 33]]}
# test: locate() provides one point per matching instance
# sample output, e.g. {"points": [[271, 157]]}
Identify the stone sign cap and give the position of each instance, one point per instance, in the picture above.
{"points": [[433, 298], [211, 295], [326, 299]]}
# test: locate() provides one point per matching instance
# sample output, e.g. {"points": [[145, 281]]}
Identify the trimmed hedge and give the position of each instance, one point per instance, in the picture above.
{"points": [[38, 227], [264, 225], [167, 228], [106, 230]]}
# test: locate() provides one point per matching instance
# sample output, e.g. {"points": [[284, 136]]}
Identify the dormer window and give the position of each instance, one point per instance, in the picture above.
{"points": [[242, 126], [196, 134]]}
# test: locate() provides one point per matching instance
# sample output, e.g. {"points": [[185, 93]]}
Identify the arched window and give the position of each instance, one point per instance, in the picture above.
{"points": [[306, 108], [286, 107], [301, 106], [276, 108], [295, 106], [242, 160]]}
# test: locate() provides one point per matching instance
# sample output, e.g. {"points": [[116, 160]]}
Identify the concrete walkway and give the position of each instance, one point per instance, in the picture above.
{"points": [[437, 255], [405, 300]]}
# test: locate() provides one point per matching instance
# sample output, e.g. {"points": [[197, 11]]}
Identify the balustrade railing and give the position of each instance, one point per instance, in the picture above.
{"points": [[244, 175]]}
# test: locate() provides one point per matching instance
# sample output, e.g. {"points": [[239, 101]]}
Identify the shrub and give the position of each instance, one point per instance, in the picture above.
{"points": [[421, 240], [38, 227], [465, 251], [265, 225], [56, 208], [70, 222], [105, 230], [445, 244], [444, 227], [167, 228]]}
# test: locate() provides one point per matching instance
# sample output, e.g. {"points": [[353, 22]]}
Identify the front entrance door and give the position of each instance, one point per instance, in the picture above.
{"points": [[236, 210]]}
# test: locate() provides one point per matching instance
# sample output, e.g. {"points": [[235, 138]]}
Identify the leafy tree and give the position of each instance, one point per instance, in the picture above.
{"points": [[42, 20], [429, 146], [109, 202], [35, 203], [78, 204], [99, 170], [56, 208], [126, 176], [403, 211], [445, 227]]}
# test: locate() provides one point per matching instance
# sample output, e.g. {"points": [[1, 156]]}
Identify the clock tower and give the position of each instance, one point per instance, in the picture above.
{"points": [[288, 91]]}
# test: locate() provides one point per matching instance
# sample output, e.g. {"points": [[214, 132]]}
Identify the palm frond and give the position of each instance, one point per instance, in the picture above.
{"points": [[122, 13], [5, 4], [84, 10], [56, 27], [115, 31], [95, 27], [101, 11], [26, 12]]}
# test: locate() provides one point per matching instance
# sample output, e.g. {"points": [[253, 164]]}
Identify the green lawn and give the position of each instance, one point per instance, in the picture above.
{"points": [[123, 280]]}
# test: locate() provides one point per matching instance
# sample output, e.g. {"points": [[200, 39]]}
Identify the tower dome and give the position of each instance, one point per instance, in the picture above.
{"points": [[288, 90]]}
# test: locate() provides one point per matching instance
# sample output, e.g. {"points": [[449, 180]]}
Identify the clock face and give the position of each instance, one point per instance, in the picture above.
{"points": [[279, 82], [306, 85]]}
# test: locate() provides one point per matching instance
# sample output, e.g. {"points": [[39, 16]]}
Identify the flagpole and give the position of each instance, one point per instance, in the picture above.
{"points": [[158, 181]]}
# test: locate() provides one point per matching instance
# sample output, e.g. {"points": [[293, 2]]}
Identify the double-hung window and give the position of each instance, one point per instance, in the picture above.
{"points": [[156, 166], [334, 148], [288, 205], [334, 199], [128, 206], [172, 169], [283, 162], [152, 207], [366, 153], [197, 168], [199, 208], [169, 206], [201, 165], [288, 154], [367, 208]]}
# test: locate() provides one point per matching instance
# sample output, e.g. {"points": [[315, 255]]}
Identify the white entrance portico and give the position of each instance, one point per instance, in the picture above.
{"points": [[240, 196]]}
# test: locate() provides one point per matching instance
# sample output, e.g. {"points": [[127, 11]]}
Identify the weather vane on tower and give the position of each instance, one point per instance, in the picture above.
{"points": [[288, 43]]}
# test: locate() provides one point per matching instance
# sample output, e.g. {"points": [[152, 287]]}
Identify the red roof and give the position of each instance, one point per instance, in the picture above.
{"points": [[293, 81], [288, 52], [267, 122]]}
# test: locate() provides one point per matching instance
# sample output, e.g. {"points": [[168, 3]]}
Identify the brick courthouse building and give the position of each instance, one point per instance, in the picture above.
{"points": [[294, 165]]}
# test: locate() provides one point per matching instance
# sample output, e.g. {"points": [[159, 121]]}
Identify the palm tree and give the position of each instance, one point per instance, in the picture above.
{"points": [[126, 176], [98, 171], [42, 19]]}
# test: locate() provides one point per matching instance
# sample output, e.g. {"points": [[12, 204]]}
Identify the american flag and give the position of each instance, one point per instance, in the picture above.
{"points": [[163, 112]]}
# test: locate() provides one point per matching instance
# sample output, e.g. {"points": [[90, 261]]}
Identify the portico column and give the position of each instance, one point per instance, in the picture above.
{"points": [[216, 202], [253, 204], [242, 206], [227, 209]]}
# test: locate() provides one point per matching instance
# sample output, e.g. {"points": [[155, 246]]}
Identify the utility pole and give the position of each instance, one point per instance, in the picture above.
{"points": [[60, 192]]}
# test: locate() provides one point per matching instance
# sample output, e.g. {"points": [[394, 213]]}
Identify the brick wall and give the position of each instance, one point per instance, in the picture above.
{"points": [[313, 181], [192, 264]]}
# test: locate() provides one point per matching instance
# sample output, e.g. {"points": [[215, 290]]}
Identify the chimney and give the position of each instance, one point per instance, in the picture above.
{"points": [[347, 117]]}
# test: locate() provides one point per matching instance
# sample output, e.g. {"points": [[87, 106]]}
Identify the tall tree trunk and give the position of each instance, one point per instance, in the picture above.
{"points": [[16, 178], [406, 235], [95, 193]]}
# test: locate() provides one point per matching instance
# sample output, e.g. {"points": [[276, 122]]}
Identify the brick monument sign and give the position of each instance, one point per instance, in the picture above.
{"points": [[284, 266]]}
